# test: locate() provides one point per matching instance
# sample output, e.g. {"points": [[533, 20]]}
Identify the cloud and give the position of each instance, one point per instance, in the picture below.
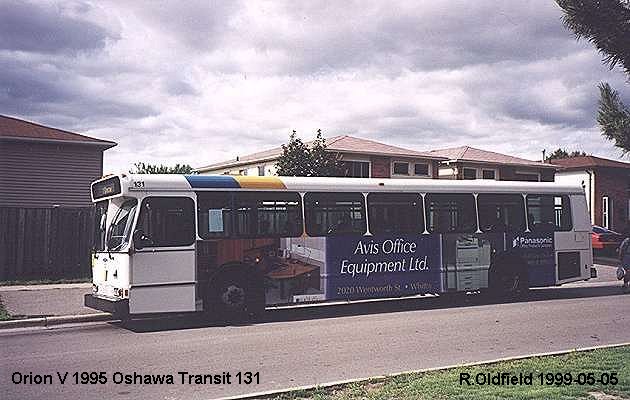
{"points": [[31, 88], [200, 82], [50, 28]]}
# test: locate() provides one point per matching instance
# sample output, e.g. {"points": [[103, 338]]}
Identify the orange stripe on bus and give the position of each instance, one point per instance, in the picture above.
{"points": [[260, 182]]}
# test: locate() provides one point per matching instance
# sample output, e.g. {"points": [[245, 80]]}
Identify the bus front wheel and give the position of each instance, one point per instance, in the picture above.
{"points": [[235, 296]]}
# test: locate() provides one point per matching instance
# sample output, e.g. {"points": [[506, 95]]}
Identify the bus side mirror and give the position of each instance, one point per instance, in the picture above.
{"points": [[140, 240]]}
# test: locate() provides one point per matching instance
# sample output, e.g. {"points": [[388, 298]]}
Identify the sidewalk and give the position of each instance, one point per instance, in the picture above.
{"points": [[36, 301]]}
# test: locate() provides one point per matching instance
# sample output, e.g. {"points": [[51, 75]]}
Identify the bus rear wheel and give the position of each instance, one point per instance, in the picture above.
{"points": [[235, 297], [508, 279]]}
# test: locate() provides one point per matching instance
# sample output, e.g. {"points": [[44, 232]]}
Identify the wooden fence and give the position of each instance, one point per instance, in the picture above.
{"points": [[45, 243]]}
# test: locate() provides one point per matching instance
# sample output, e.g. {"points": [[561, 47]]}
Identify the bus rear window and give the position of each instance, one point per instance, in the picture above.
{"points": [[395, 213], [501, 212], [450, 213], [329, 214], [549, 212]]}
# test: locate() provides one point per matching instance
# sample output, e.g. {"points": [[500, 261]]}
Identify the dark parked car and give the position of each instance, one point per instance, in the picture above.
{"points": [[605, 240]]}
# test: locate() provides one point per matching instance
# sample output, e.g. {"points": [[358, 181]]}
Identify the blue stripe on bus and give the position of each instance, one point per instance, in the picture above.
{"points": [[212, 181]]}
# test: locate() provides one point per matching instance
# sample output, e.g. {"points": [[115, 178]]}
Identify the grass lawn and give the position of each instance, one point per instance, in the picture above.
{"points": [[4, 315], [445, 384]]}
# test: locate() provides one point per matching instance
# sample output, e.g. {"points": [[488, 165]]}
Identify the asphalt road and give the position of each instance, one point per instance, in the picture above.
{"points": [[302, 347]]}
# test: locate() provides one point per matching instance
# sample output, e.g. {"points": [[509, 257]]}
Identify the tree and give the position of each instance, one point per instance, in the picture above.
{"points": [[606, 24], [142, 168], [614, 117], [563, 153], [294, 160], [324, 162], [300, 159]]}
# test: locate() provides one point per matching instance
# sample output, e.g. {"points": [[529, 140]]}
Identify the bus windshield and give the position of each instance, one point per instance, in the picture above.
{"points": [[100, 218], [120, 229]]}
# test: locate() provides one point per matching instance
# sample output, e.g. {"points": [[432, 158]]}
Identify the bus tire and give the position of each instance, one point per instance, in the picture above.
{"points": [[508, 278], [235, 294]]}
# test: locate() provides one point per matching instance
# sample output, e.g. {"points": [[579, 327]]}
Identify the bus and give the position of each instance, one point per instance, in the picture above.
{"points": [[230, 246]]}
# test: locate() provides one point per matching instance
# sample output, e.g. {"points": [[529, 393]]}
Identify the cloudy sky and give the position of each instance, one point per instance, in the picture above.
{"points": [[202, 81]]}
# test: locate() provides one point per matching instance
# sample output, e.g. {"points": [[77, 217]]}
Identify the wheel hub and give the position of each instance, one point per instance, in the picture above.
{"points": [[233, 296]]}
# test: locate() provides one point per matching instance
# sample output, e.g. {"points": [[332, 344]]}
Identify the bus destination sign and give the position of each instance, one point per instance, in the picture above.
{"points": [[106, 188]]}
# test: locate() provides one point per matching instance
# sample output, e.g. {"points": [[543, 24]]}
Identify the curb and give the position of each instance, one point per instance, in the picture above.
{"points": [[45, 286], [259, 395], [55, 320]]}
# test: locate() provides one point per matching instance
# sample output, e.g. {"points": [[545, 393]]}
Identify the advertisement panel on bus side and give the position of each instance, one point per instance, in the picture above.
{"points": [[382, 266], [537, 250]]}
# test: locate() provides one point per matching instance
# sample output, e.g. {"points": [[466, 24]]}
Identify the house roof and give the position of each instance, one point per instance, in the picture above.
{"points": [[474, 155], [589, 162], [17, 129], [343, 144]]}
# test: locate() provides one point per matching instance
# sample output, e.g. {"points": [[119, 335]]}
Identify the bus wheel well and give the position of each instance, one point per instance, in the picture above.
{"points": [[508, 276], [236, 291]]}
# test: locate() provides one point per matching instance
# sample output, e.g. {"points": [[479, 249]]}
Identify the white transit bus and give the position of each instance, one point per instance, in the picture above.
{"points": [[232, 245]]}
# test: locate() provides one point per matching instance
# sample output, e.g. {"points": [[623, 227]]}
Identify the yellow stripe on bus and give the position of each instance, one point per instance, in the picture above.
{"points": [[260, 182]]}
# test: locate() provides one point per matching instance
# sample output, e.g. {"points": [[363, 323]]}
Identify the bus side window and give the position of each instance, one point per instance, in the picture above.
{"points": [[330, 214], [268, 214], [214, 214], [395, 213], [546, 211], [168, 221], [448, 212], [501, 212]]}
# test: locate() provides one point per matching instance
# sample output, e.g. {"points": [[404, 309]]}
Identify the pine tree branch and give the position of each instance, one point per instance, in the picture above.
{"points": [[605, 23], [614, 118]]}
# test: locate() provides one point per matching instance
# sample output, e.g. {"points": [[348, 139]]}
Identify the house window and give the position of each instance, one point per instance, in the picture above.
{"points": [[606, 211], [401, 168], [421, 169], [528, 177], [261, 170], [488, 174], [355, 169], [470, 173]]}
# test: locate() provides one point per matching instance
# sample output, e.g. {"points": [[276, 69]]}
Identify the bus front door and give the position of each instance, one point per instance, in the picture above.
{"points": [[163, 276]]}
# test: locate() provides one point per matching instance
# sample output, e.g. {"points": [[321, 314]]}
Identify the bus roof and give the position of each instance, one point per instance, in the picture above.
{"points": [[133, 184]]}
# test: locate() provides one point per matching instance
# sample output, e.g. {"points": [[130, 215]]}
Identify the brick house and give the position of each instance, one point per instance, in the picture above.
{"points": [[467, 162], [607, 186], [43, 167], [360, 158]]}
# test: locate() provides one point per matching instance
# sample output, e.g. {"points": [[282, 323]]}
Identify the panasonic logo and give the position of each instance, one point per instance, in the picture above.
{"points": [[520, 241]]}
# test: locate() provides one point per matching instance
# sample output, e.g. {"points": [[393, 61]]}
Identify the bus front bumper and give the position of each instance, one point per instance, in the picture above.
{"points": [[116, 307]]}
